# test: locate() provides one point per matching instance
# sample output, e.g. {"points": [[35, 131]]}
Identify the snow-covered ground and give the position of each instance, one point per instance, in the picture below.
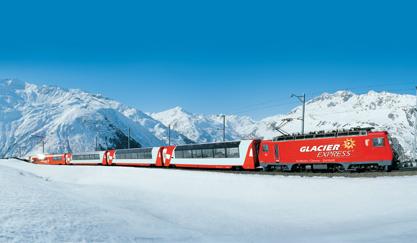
{"points": [[40, 203]]}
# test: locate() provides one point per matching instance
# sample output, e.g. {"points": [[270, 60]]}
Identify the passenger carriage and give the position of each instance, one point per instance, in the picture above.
{"points": [[89, 158], [136, 157], [224, 155]]}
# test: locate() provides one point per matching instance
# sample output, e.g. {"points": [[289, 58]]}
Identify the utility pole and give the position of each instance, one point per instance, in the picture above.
{"points": [[224, 127], [169, 135], [415, 133], [128, 139], [302, 99]]}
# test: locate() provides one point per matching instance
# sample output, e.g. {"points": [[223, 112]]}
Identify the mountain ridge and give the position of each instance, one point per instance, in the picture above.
{"points": [[71, 119]]}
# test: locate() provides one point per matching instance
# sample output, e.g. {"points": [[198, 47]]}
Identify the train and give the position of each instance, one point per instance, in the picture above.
{"points": [[340, 150]]}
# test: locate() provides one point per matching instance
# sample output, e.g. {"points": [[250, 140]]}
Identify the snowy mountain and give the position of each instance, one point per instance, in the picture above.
{"points": [[341, 110], [344, 109], [70, 120], [203, 128]]}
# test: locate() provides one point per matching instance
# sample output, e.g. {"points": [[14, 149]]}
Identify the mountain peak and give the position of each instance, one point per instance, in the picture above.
{"points": [[12, 84], [176, 111]]}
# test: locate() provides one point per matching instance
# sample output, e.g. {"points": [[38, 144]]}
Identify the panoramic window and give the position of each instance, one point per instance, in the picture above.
{"points": [[219, 153], [207, 153], [142, 153], [197, 153], [85, 157], [212, 150], [232, 153], [188, 154]]}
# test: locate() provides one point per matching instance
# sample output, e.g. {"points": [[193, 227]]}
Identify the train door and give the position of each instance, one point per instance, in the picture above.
{"points": [[267, 152], [276, 152]]}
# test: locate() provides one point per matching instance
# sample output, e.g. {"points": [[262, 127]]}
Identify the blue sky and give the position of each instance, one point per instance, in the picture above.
{"points": [[243, 57]]}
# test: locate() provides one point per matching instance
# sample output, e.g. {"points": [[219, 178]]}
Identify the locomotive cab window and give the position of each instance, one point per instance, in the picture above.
{"points": [[378, 142], [265, 148]]}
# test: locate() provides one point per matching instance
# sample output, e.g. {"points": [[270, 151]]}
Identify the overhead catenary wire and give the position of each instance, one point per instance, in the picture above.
{"points": [[268, 105]]}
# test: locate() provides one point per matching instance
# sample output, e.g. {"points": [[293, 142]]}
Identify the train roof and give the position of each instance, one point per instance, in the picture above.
{"points": [[356, 131]]}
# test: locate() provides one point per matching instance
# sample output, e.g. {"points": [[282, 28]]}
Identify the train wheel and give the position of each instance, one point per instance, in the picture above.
{"points": [[387, 168], [266, 168], [237, 168]]}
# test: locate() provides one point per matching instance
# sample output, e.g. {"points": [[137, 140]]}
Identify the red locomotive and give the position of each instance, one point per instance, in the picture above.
{"points": [[354, 149]]}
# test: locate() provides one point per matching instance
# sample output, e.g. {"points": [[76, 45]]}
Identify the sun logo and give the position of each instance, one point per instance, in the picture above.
{"points": [[349, 143]]}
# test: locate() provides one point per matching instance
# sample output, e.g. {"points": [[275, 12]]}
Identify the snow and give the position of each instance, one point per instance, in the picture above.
{"points": [[41, 203]]}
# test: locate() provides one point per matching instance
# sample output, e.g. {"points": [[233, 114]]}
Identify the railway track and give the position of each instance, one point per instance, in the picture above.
{"points": [[373, 174]]}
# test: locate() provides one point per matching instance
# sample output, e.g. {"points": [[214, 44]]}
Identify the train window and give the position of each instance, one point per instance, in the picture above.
{"points": [[378, 142], [137, 153], [187, 154], [216, 150], [232, 152], [86, 157], [220, 153], [56, 158], [207, 153], [197, 153], [179, 154], [265, 148], [148, 154]]}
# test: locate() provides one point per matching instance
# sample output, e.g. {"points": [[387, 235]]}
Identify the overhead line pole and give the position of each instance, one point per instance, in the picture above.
{"points": [[169, 135], [415, 133], [128, 139], [302, 99], [224, 128]]}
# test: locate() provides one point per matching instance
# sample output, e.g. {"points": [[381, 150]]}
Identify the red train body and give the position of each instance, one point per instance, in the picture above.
{"points": [[51, 159], [338, 150]]}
